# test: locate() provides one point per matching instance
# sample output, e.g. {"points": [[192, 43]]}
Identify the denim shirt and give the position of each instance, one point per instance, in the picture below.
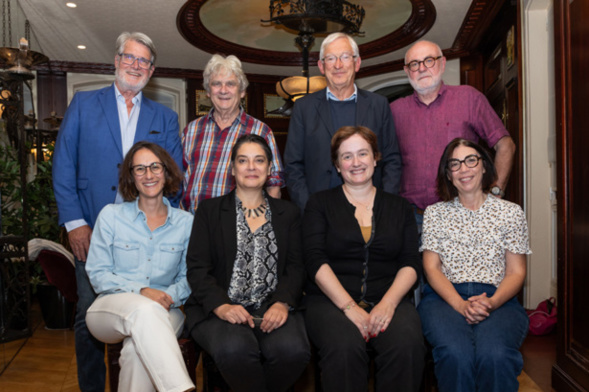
{"points": [[126, 256]]}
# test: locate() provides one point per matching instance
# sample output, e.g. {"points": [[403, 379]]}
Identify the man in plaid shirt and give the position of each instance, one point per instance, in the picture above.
{"points": [[207, 141]]}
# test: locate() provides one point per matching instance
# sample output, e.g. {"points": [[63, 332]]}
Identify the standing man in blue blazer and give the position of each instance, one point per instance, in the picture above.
{"points": [[98, 129], [316, 117]]}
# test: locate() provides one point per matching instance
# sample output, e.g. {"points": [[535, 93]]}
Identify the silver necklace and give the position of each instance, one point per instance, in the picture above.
{"points": [[368, 206]]}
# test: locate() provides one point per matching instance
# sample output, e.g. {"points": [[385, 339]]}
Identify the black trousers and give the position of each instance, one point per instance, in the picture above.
{"points": [[251, 360], [399, 352]]}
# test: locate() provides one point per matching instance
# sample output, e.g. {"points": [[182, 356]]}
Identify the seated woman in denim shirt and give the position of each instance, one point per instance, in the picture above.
{"points": [[137, 265], [474, 257]]}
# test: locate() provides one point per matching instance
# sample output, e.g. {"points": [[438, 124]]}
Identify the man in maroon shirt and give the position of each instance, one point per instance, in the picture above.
{"points": [[434, 115]]}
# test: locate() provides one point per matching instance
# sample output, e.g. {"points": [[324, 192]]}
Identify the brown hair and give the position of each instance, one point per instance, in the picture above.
{"points": [[345, 133], [172, 173], [445, 189]]}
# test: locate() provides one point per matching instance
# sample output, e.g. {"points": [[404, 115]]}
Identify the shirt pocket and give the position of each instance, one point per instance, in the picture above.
{"points": [[170, 257], [127, 256]]}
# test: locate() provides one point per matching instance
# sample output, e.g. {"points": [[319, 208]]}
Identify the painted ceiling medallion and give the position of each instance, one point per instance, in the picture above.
{"points": [[224, 26]]}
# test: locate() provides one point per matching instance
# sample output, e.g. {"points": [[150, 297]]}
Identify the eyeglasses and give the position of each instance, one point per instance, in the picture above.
{"points": [[470, 161], [428, 62], [129, 59], [155, 168], [345, 58]]}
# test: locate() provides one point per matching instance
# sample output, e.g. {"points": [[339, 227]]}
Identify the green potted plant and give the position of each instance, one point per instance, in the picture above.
{"points": [[41, 222]]}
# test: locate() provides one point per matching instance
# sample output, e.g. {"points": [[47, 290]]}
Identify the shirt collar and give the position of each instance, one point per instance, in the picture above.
{"points": [[241, 117], [353, 97], [136, 211], [443, 89], [136, 99]]}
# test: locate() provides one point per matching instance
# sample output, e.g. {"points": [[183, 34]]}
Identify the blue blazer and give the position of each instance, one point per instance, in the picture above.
{"points": [[88, 151], [307, 157]]}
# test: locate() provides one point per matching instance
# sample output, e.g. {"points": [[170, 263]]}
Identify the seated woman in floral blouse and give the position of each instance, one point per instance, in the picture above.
{"points": [[474, 258]]}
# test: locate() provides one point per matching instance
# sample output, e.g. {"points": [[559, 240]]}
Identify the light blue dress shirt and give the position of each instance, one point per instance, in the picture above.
{"points": [[126, 256]]}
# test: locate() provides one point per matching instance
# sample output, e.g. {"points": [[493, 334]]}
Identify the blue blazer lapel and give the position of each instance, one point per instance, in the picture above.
{"points": [[145, 120], [108, 102]]}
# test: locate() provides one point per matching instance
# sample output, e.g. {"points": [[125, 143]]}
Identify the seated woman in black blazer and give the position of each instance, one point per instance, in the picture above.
{"points": [[245, 269], [361, 252]]}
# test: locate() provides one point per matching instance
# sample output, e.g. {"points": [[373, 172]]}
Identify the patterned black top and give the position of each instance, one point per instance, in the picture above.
{"points": [[254, 274]]}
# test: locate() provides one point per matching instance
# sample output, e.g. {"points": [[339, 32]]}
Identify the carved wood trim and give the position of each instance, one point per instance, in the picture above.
{"points": [[422, 18]]}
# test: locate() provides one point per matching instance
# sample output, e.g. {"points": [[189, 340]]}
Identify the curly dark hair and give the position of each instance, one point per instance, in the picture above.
{"points": [[445, 189], [172, 173]]}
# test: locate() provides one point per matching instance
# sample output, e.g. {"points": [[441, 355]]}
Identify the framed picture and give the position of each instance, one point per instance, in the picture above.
{"points": [[204, 104], [510, 44], [276, 107]]}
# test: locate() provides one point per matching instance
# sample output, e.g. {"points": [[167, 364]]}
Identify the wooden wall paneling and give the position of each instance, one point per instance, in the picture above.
{"points": [[571, 370], [51, 96]]}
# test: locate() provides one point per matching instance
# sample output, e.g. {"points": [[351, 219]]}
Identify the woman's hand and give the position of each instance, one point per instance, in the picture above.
{"points": [[380, 318], [275, 317], [476, 309], [361, 320], [158, 296], [234, 314]]}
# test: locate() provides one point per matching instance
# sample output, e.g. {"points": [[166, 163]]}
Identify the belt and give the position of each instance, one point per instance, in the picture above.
{"points": [[418, 211]]}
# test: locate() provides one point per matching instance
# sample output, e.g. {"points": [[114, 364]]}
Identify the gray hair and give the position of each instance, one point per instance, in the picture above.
{"points": [[334, 36], [220, 65], [137, 37]]}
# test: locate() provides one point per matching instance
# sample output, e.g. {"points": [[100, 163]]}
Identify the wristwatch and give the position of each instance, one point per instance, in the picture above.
{"points": [[497, 191]]}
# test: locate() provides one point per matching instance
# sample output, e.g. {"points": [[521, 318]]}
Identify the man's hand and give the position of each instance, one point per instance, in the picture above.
{"points": [[80, 241]]}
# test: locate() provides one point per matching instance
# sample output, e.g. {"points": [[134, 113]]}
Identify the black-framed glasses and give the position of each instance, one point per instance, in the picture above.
{"points": [[345, 58], [155, 168], [469, 161], [428, 62], [129, 59]]}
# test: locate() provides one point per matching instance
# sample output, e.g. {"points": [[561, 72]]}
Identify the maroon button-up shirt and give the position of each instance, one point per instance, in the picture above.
{"points": [[423, 131]]}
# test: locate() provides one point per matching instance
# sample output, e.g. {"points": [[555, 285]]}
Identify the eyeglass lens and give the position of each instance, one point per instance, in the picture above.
{"points": [[155, 168], [470, 162], [428, 62], [129, 59], [344, 58]]}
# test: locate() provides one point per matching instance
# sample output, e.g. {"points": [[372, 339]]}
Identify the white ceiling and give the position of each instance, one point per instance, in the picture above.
{"points": [[57, 30]]}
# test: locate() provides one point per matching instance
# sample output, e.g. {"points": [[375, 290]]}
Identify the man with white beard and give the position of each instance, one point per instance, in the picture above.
{"points": [[433, 116], [98, 129]]}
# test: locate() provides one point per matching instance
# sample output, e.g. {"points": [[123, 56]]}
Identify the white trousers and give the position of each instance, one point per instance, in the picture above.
{"points": [[151, 358]]}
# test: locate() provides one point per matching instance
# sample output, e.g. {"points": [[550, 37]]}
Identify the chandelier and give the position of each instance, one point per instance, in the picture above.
{"points": [[307, 18], [18, 60]]}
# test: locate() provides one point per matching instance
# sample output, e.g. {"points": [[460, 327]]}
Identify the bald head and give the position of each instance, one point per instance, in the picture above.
{"points": [[426, 69], [422, 47]]}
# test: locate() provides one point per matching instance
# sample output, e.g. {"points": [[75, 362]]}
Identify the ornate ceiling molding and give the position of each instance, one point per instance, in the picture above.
{"points": [[477, 20], [422, 18]]}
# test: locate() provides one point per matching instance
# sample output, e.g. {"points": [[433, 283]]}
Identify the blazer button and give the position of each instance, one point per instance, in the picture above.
{"points": [[114, 188], [118, 165]]}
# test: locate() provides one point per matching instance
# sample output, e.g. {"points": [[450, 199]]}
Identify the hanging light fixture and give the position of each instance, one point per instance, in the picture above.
{"points": [[310, 17], [19, 59]]}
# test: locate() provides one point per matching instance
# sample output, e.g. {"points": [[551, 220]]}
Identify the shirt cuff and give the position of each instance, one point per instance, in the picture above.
{"points": [[72, 225]]}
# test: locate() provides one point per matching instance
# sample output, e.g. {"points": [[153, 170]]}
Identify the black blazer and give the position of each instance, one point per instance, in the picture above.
{"points": [[307, 157], [213, 247]]}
